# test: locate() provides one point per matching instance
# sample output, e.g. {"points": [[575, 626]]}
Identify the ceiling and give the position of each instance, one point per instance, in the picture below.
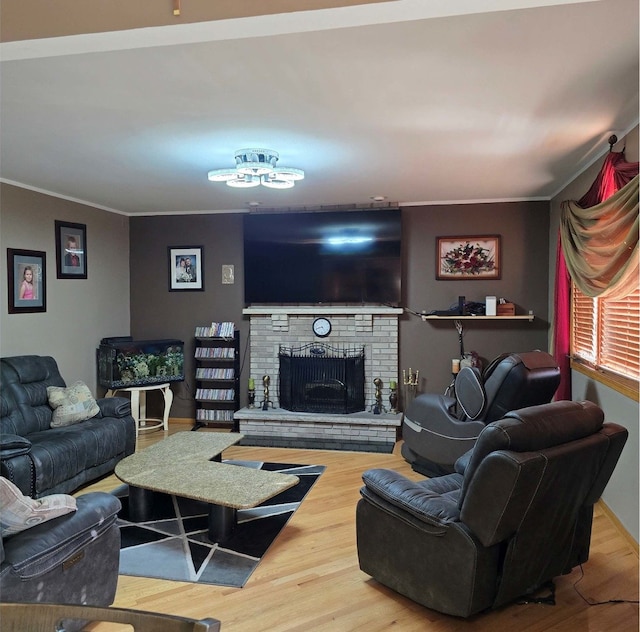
{"points": [[411, 100]]}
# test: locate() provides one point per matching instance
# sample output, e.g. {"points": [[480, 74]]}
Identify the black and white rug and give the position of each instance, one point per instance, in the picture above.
{"points": [[174, 544]]}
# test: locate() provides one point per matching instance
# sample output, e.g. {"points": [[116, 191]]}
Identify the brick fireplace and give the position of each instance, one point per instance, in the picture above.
{"points": [[373, 328]]}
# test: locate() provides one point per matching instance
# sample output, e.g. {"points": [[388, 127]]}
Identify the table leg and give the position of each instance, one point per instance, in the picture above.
{"points": [[140, 504], [143, 408], [135, 408], [222, 522], [168, 400]]}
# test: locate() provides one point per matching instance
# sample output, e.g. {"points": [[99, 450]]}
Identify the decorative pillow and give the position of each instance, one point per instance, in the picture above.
{"points": [[71, 405], [19, 512]]}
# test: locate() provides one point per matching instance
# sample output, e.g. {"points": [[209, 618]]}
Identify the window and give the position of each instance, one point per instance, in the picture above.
{"points": [[605, 335]]}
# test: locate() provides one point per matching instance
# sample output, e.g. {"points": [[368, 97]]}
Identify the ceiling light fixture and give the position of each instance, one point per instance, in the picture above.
{"points": [[255, 167]]}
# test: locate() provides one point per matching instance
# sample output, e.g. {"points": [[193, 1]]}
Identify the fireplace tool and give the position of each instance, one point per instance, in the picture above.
{"points": [[377, 407], [410, 382], [393, 396], [251, 392], [266, 380]]}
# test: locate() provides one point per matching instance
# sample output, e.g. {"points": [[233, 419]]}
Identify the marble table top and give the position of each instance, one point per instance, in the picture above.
{"points": [[181, 465]]}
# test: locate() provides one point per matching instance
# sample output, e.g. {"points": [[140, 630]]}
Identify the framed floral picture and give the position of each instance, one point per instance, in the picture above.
{"points": [[475, 257], [27, 281], [186, 268], [71, 250]]}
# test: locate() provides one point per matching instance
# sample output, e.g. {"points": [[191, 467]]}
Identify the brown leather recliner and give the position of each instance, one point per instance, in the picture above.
{"points": [[438, 429], [516, 513]]}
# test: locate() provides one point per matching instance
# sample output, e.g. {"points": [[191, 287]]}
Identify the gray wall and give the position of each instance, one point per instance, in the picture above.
{"points": [[79, 311], [430, 346], [158, 313], [524, 228], [623, 491]]}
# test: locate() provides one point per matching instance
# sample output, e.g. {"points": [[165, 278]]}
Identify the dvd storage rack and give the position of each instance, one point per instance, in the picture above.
{"points": [[217, 375]]}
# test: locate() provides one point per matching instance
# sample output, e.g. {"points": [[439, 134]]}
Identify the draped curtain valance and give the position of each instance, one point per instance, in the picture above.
{"points": [[600, 243], [598, 247]]}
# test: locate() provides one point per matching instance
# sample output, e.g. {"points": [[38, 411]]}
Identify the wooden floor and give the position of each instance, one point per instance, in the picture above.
{"points": [[309, 579]]}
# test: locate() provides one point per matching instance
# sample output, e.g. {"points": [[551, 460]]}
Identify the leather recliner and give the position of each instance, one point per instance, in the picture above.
{"points": [[72, 559], [438, 429], [516, 513]]}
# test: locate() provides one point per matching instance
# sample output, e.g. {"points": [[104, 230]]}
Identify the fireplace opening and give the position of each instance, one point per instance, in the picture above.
{"points": [[320, 378]]}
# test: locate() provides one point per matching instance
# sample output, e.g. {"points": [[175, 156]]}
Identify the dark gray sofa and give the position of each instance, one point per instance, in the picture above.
{"points": [[41, 460]]}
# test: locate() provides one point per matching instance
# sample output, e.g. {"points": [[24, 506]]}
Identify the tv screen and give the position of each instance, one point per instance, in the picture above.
{"points": [[323, 257]]}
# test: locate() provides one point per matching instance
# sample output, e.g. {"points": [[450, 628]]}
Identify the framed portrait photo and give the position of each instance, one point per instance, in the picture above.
{"points": [[186, 268], [27, 281], [465, 258], [71, 250]]}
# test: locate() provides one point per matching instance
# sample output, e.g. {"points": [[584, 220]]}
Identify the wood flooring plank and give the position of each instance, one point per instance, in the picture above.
{"points": [[309, 580]]}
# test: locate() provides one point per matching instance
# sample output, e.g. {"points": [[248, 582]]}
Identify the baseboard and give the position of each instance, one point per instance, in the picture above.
{"points": [[218, 426], [618, 525]]}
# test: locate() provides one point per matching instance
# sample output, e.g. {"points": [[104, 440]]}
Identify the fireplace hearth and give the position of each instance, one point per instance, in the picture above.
{"points": [[321, 378]]}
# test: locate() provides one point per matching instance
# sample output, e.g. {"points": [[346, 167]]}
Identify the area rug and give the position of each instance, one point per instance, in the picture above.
{"points": [[174, 545]]}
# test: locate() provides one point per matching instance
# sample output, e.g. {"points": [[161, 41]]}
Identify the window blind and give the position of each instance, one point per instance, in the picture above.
{"points": [[606, 332]]}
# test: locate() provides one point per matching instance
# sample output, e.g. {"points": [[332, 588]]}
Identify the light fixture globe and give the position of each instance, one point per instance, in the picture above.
{"points": [[287, 173], [247, 182], [222, 175], [255, 167], [256, 162], [276, 183]]}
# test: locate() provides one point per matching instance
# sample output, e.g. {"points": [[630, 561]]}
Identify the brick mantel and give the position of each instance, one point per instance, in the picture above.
{"points": [[322, 310]]}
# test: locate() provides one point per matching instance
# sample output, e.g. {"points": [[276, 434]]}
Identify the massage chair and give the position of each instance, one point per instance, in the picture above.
{"points": [[438, 429]]}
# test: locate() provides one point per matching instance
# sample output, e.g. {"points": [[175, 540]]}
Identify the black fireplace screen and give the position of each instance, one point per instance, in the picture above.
{"points": [[320, 378]]}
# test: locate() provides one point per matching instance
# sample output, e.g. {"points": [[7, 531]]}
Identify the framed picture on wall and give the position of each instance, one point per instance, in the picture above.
{"points": [[465, 258], [71, 250], [27, 281], [186, 268]]}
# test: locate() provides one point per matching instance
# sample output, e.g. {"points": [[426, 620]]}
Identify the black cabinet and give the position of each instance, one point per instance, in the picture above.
{"points": [[217, 380]]}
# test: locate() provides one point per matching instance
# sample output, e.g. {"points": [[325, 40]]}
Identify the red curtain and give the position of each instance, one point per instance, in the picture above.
{"points": [[614, 174], [562, 328]]}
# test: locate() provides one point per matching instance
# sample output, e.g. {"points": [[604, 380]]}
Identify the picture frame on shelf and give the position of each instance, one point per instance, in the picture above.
{"points": [[71, 250], [186, 268], [468, 258], [26, 281]]}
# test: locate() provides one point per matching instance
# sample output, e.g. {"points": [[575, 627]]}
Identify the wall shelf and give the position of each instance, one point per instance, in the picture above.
{"points": [[457, 322], [528, 317]]}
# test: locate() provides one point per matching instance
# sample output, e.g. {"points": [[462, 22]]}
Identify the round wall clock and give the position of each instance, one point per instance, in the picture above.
{"points": [[322, 327]]}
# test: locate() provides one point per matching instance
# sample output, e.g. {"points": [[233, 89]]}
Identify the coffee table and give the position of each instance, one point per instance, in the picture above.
{"points": [[188, 464]]}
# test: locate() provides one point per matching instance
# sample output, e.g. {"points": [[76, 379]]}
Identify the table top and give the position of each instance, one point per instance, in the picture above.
{"points": [[146, 387], [181, 465]]}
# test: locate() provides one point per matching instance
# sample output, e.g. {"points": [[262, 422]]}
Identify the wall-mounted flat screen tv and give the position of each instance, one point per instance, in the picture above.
{"points": [[323, 257]]}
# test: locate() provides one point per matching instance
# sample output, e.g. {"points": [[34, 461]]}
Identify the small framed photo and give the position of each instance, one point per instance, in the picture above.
{"points": [[71, 250], [186, 268], [468, 258], [27, 281]]}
